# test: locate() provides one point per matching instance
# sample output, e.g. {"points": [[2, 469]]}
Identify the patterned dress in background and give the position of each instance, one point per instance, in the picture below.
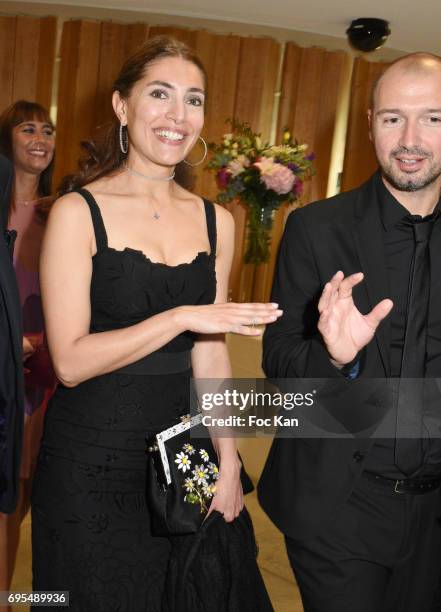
{"points": [[40, 379]]}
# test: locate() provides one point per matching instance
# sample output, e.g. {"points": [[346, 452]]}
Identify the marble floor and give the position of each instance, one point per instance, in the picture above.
{"points": [[245, 356]]}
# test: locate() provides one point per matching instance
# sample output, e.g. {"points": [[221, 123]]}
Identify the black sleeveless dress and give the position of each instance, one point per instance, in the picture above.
{"points": [[90, 523]]}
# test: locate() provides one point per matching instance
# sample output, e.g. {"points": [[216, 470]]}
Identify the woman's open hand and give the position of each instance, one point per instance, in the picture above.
{"points": [[227, 317]]}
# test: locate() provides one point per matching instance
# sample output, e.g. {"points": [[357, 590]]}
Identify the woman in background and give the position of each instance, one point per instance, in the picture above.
{"points": [[27, 140]]}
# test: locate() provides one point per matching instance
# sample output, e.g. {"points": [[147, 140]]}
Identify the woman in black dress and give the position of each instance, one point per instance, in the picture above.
{"points": [[134, 276]]}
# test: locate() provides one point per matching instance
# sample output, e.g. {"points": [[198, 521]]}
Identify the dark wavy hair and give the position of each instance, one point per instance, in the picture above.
{"points": [[20, 112], [103, 155]]}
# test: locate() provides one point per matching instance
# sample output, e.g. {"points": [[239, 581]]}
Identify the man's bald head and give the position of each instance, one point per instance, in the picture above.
{"points": [[417, 64], [405, 123]]}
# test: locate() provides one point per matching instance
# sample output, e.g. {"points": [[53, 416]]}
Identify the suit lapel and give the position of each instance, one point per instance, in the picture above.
{"points": [[368, 235]]}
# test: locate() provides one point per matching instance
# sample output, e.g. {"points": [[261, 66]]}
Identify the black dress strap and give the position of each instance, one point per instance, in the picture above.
{"points": [[97, 219], [210, 214]]}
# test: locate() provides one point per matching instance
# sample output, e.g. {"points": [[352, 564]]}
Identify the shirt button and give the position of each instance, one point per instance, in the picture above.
{"points": [[357, 456]]}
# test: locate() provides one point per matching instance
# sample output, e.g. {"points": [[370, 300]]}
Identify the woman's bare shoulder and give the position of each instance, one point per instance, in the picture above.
{"points": [[71, 203], [224, 219], [71, 212]]}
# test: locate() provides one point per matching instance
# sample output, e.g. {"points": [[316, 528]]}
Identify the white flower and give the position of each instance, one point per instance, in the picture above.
{"points": [[279, 151], [213, 470], [189, 448], [204, 455], [208, 490], [200, 474], [183, 462], [189, 485]]}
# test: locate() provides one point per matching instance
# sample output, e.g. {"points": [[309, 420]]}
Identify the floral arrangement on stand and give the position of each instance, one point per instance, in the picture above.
{"points": [[260, 175]]}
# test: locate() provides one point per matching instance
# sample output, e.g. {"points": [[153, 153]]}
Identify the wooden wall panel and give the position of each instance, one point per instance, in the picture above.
{"points": [[360, 160], [257, 83], [255, 98], [311, 85], [335, 69], [312, 80], [136, 35], [221, 98], [46, 61], [118, 41], [27, 37], [79, 72], [27, 56], [289, 86], [7, 51], [112, 54]]}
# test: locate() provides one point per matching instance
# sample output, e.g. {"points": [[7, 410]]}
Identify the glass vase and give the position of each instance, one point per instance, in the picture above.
{"points": [[260, 223]]}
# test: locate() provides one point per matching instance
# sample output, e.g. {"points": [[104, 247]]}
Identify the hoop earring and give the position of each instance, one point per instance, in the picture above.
{"points": [[123, 139], [203, 158]]}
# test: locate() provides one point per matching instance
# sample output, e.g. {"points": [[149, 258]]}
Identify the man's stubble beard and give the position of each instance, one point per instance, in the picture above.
{"points": [[410, 184]]}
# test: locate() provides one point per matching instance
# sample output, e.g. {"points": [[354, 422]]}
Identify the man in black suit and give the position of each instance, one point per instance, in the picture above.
{"points": [[361, 514], [11, 352]]}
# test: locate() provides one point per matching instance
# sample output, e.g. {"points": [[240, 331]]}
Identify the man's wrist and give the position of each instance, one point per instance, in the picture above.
{"points": [[349, 370]]}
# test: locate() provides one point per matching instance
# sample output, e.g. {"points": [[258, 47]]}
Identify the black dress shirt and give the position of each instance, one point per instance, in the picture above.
{"points": [[399, 244]]}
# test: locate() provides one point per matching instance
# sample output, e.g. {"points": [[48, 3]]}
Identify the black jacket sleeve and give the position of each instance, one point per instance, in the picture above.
{"points": [[11, 367], [292, 346]]}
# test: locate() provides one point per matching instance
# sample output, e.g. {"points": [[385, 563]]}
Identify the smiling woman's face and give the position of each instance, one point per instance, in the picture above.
{"points": [[164, 112], [33, 145]]}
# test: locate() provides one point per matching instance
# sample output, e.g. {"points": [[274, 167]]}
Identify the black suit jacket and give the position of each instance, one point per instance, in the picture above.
{"points": [[11, 367], [306, 481]]}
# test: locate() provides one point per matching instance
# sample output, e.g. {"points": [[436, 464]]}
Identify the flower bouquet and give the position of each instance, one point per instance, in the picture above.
{"points": [[200, 484], [262, 176]]}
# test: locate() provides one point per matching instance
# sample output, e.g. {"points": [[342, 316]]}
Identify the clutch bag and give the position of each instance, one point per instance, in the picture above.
{"points": [[182, 472], [181, 477]]}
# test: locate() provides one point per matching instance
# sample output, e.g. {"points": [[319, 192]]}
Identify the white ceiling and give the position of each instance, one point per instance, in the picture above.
{"points": [[415, 25]]}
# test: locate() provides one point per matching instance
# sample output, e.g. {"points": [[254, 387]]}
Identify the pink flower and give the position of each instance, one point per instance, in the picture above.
{"points": [[238, 165], [223, 178], [275, 176]]}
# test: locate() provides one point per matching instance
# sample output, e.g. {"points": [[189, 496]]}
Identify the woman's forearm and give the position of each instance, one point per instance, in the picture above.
{"points": [[103, 352], [211, 362]]}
